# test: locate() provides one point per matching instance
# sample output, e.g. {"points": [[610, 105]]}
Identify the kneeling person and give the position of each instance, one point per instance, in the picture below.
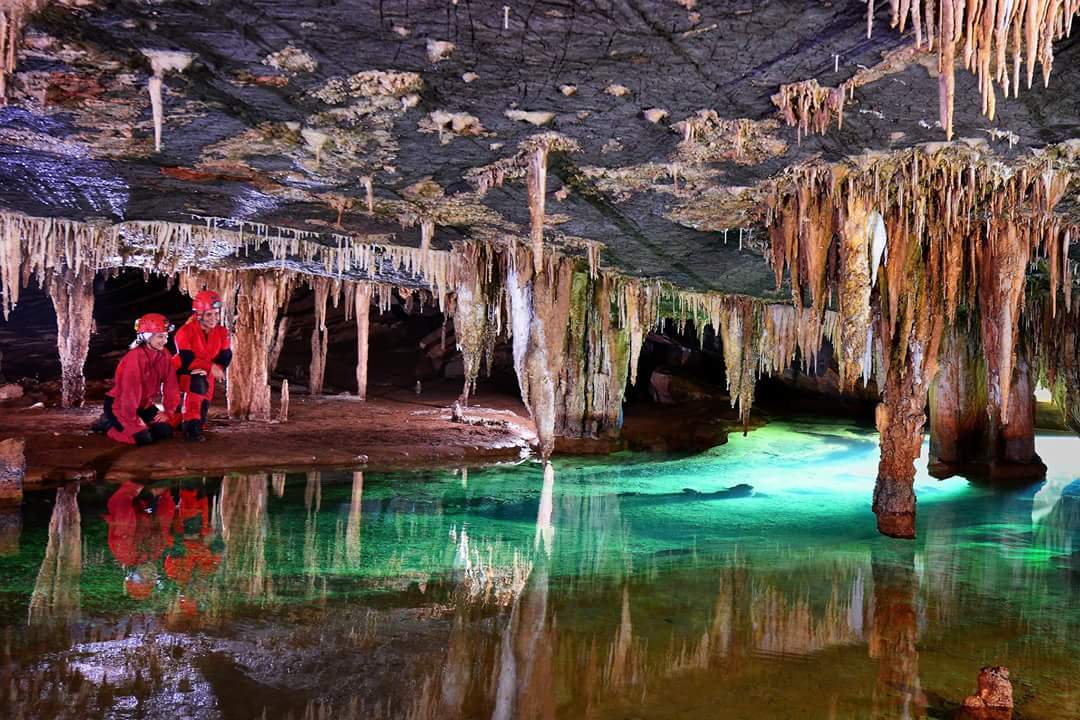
{"points": [[144, 373], [203, 355]]}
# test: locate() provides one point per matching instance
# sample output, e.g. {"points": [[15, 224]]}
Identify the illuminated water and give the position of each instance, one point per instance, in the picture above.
{"points": [[747, 582]]}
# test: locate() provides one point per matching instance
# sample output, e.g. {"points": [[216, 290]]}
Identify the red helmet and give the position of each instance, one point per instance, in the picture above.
{"points": [[205, 301], [153, 323]]}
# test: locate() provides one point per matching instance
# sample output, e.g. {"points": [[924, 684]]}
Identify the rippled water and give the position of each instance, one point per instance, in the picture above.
{"points": [[746, 582]]}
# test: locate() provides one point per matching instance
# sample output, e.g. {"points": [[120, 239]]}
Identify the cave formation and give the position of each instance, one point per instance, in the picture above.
{"points": [[929, 265]]}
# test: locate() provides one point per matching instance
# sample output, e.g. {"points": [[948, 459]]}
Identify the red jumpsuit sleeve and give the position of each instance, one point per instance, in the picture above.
{"points": [[127, 398], [191, 354], [170, 389], [224, 348]]}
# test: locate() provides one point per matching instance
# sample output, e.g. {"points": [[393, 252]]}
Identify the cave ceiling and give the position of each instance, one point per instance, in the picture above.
{"points": [[282, 110]]}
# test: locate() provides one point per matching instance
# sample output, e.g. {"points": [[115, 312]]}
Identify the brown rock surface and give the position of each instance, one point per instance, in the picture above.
{"points": [[995, 696]]}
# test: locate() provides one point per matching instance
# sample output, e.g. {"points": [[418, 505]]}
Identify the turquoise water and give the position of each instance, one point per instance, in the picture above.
{"points": [[744, 582]]}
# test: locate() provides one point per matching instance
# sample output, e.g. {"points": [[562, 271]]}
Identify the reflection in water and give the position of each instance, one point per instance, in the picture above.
{"points": [[894, 634], [244, 526], [568, 590], [56, 594]]}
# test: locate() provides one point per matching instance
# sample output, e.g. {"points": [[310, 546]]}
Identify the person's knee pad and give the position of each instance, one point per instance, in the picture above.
{"points": [[143, 437], [147, 414], [199, 385], [161, 431]]}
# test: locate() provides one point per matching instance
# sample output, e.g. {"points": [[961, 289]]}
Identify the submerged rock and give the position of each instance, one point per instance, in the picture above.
{"points": [[12, 469], [995, 696]]}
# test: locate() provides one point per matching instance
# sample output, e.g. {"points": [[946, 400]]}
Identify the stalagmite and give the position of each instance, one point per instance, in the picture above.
{"points": [[260, 296], [162, 61], [320, 336], [72, 294], [363, 323], [283, 409]]}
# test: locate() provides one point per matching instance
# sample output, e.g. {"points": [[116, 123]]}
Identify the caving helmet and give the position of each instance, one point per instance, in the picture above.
{"points": [[153, 323], [205, 301]]}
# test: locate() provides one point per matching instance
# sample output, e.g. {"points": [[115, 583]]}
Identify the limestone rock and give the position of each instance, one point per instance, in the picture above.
{"points": [[666, 388], [12, 469]]}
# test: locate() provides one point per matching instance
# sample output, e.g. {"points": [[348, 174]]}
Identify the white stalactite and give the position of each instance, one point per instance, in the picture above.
{"points": [[162, 61]]}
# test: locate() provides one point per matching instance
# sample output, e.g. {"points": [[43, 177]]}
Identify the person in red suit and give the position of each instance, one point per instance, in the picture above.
{"points": [[145, 373], [196, 552], [203, 355], [140, 521]]}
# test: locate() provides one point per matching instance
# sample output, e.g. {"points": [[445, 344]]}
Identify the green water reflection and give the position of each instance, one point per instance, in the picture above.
{"points": [[746, 582]]}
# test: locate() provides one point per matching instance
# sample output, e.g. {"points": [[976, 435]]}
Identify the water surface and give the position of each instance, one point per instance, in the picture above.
{"points": [[745, 582]]}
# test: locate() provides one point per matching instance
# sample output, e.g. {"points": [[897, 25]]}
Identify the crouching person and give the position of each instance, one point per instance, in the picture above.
{"points": [[145, 373], [203, 354]]}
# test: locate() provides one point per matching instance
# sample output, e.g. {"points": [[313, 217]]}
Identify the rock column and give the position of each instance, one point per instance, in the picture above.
{"points": [[72, 294]]}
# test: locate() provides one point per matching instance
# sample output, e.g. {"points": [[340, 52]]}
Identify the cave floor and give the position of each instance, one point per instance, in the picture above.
{"points": [[395, 429]]}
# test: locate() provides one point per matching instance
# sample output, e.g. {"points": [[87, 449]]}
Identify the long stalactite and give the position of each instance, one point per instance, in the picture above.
{"points": [[72, 294]]}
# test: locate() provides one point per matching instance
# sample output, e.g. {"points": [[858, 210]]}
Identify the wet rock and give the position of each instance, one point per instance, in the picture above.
{"points": [[667, 388], [995, 697], [12, 469], [11, 391]]}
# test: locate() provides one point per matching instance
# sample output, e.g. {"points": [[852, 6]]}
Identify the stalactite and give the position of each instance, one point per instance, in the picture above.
{"points": [[13, 16], [162, 61], [30, 245], [320, 336], [260, 295], [363, 324], [369, 192], [477, 309], [72, 294], [279, 339], [807, 105], [740, 331], [537, 187], [539, 311], [984, 30], [910, 335], [854, 291]]}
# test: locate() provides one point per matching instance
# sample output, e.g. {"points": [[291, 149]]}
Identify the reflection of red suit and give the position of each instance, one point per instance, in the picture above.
{"points": [[138, 533], [142, 375], [190, 558], [200, 350]]}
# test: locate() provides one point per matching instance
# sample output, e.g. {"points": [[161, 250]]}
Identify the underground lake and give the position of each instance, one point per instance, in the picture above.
{"points": [[746, 581]]}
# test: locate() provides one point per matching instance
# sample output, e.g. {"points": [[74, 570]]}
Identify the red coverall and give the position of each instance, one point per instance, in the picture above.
{"points": [[199, 350], [135, 535], [142, 375]]}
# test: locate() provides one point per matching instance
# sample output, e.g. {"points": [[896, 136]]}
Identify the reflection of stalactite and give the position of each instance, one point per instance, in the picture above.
{"points": [[244, 525], [352, 527], [312, 502], [894, 634], [545, 529], [56, 595], [525, 682], [72, 294]]}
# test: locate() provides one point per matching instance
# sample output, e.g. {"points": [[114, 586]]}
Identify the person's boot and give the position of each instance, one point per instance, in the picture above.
{"points": [[193, 431], [101, 425]]}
